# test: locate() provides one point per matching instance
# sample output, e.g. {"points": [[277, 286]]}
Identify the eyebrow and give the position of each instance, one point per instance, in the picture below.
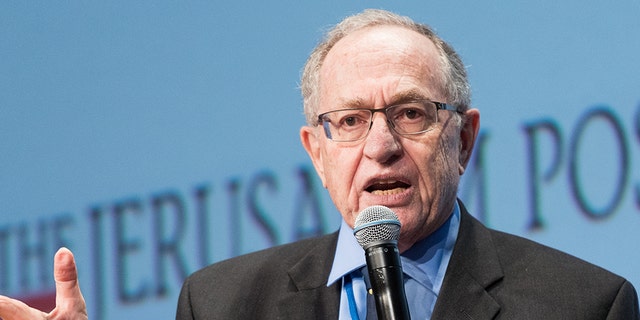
{"points": [[401, 97], [408, 96], [356, 103]]}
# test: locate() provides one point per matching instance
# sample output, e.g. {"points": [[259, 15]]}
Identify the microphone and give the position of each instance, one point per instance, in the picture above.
{"points": [[377, 230]]}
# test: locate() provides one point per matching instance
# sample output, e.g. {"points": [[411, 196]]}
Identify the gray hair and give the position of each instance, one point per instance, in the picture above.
{"points": [[454, 83]]}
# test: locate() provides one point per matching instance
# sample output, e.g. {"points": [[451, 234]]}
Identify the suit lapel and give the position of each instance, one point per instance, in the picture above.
{"points": [[309, 296], [474, 267]]}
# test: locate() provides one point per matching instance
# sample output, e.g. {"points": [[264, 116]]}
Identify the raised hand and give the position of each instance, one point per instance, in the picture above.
{"points": [[70, 304]]}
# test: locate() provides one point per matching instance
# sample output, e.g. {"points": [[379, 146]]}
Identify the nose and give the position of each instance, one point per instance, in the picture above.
{"points": [[382, 144]]}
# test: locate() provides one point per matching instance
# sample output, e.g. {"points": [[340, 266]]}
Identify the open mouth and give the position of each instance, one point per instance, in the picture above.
{"points": [[387, 187]]}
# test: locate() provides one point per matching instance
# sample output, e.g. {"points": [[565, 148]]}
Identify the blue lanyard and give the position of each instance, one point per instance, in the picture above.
{"points": [[353, 308]]}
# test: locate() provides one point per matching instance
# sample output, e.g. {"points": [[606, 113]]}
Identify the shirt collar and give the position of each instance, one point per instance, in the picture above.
{"points": [[423, 258], [349, 254], [427, 259]]}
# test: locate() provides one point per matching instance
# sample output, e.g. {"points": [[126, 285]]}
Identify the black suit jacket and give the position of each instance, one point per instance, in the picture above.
{"points": [[491, 275]]}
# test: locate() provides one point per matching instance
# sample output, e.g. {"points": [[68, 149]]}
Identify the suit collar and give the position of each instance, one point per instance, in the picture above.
{"points": [[473, 269], [312, 270], [309, 295]]}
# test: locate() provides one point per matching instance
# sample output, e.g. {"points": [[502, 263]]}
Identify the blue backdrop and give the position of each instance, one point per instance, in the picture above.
{"points": [[155, 137]]}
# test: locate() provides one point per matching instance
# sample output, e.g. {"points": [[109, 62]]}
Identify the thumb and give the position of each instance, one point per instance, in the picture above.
{"points": [[68, 295]]}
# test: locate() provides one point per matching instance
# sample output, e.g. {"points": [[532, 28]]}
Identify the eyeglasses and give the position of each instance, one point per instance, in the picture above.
{"points": [[406, 119]]}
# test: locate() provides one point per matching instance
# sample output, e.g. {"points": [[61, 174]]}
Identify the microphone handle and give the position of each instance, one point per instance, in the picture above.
{"points": [[385, 276]]}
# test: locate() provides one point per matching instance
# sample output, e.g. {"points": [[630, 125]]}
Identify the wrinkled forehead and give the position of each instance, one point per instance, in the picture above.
{"points": [[380, 61]]}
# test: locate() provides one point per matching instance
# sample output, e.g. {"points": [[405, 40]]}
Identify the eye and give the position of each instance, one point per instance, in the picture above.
{"points": [[350, 121], [409, 113], [353, 118]]}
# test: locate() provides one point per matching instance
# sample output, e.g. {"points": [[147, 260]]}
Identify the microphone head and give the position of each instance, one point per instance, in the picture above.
{"points": [[375, 224]]}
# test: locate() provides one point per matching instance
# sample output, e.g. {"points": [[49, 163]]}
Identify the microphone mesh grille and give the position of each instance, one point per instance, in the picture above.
{"points": [[376, 223]]}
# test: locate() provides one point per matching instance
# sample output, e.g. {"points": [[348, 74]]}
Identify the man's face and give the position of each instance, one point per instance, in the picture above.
{"points": [[416, 176]]}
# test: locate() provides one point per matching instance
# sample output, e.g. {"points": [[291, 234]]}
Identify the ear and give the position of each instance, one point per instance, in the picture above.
{"points": [[468, 135], [311, 143]]}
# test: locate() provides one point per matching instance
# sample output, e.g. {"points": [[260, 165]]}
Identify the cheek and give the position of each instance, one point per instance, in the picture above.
{"points": [[340, 169], [438, 167], [447, 174]]}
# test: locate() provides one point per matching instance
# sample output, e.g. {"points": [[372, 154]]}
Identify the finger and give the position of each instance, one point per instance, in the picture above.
{"points": [[12, 309], [68, 294], [64, 266]]}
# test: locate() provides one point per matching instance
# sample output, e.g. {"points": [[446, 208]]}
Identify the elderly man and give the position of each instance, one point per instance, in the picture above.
{"points": [[389, 123]]}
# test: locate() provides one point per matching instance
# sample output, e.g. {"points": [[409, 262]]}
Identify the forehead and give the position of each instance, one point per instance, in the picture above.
{"points": [[375, 64]]}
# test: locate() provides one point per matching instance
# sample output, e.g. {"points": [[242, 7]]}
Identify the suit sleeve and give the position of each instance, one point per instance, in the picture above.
{"points": [[625, 304], [183, 311]]}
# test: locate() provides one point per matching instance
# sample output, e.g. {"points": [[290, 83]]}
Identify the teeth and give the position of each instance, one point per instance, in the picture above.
{"points": [[387, 192]]}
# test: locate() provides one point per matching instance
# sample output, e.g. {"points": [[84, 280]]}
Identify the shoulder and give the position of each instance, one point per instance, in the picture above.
{"points": [[278, 258], [558, 283], [519, 254], [527, 276], [223, 288], [267, 271], [529, 260]]}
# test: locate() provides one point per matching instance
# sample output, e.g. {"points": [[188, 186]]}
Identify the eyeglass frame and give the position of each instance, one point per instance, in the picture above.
{"points": [[439, 106]]}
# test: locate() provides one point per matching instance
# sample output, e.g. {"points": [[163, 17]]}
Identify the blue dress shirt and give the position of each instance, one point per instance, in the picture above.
{"points": [[423, 265]]}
